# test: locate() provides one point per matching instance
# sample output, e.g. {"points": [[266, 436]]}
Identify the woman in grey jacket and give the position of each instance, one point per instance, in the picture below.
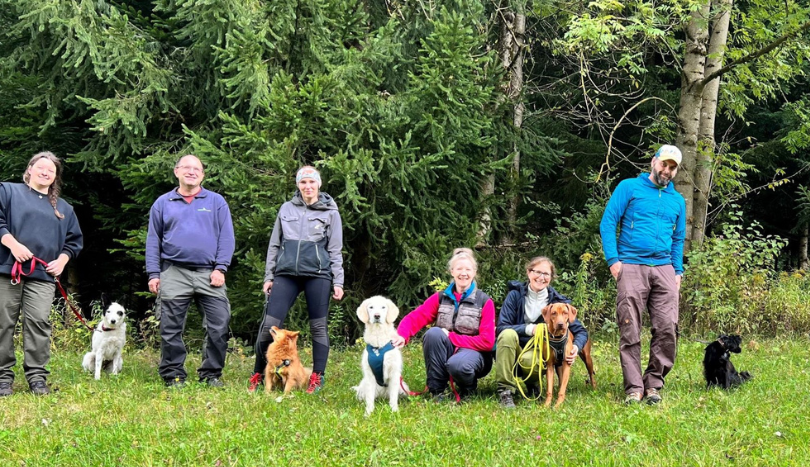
{"points": [[304, 255]]}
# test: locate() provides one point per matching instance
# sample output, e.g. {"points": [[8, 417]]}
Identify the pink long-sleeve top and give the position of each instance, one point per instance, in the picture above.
{"points": [[427, 312]]}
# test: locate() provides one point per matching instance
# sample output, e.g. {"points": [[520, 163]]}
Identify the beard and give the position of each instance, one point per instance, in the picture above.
{"points": [[659, 179]]}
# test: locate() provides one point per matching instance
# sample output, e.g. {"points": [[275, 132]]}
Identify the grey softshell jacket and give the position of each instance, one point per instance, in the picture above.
{"points": [[306, 240]]}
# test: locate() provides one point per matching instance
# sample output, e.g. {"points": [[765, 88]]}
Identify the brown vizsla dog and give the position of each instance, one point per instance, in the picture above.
{"points": [[557, 317]]}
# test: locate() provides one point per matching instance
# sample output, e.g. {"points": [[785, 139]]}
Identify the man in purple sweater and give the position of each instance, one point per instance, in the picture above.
{"points": [[188, 250]]}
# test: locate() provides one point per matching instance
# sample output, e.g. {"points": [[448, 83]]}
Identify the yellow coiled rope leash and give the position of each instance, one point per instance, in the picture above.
{"points": [[540, 350]]}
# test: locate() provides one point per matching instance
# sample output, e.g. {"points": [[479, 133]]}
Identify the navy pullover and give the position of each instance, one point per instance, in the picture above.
{"points": [[28, 216], [197, 234]]}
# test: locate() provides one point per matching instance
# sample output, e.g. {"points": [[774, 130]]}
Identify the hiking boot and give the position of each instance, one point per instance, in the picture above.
{"points": [[5, 389], [39, 387], [315, 383], [506, 400], [213, 382], [255, 381], [175, 383], [632, 398], [652, 396], [438, 398]]}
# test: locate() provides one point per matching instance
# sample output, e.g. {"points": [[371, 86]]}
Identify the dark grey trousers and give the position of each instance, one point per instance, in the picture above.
{"points": [[652, 288], [178, 287], [32, 299], [442, 361]]}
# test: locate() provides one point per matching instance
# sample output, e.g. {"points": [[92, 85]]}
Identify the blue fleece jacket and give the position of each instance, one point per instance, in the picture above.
{"points": [[512, 314], [652, 221], [196, 234]]}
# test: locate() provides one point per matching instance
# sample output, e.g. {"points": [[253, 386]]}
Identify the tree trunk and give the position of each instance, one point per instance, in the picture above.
{"points": [[804, 262], [689, 113], [706, 136], [513, 32]]}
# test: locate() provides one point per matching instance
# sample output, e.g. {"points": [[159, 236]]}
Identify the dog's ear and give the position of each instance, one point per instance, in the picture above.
{"points": [[572, 312], [105, 301], [393, 312], [546, 312], [274, 331], [362, 311]]}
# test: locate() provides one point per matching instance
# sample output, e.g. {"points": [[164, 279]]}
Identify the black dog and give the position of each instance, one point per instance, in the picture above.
{"points": [[717, 367]]}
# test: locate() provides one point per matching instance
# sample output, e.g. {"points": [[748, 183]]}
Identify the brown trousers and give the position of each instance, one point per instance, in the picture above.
{"points": [[653, 288]]}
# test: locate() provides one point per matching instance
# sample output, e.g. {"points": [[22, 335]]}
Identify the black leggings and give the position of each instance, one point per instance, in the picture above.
{"points": [[317, 291]]}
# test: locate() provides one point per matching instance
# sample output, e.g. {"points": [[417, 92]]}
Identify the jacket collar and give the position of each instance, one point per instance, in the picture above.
{"points": [[175, 195], [450, 292]]}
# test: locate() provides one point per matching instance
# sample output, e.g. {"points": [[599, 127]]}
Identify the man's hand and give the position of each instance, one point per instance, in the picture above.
{"points": [[217, 278], [154, 285], [338, 293], [572, 357], [616, 269], [57, 266], [267, 287], [678, 281]]}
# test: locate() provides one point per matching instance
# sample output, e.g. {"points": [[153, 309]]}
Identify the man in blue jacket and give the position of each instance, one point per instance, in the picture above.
{"points": [[647, 264], [189, 247]]}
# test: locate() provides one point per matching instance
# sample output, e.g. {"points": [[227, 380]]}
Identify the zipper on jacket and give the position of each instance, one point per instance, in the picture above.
{"points": [[318, 255], [301, 226]]}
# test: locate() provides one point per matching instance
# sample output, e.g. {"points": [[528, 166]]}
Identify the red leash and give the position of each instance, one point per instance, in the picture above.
{"points": [[16, 277], [412, 393]]}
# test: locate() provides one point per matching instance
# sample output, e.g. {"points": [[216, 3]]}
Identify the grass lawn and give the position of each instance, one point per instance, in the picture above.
{"points": [[133, 420]]}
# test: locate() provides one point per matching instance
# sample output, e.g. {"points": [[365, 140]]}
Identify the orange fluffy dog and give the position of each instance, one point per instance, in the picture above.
{"points": [[283, 365], [557, 317]]}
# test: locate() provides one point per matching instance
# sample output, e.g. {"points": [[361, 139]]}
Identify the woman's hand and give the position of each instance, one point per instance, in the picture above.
{"points": [[267, 287], [338, 293], [20, 252], [398, 341], [57, 266]]}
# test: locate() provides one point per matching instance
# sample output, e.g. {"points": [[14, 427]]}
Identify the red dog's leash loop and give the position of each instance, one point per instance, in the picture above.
{"points": [[16, 277]]}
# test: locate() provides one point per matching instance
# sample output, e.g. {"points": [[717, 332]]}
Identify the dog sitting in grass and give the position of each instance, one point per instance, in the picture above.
{"points": [[109, 339], [284, 368], [717, 367], [381, 361]]}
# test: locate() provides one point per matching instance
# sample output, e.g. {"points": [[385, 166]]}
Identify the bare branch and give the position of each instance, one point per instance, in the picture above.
{"points": [[753, 56]]}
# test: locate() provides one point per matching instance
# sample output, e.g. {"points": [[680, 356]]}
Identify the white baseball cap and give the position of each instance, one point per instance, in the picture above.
{"points": [[669, 152]]}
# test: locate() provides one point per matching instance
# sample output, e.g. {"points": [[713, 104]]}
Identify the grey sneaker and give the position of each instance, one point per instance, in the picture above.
{"points": [[5, 389], [505, 397], [213, 382], [652, 396], [39, 388], [633, 398]]}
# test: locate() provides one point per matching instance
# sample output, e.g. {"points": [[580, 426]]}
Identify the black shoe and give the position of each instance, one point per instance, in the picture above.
{"points": [[39, 387], [5, 389], [213, 382], [176, 383]]}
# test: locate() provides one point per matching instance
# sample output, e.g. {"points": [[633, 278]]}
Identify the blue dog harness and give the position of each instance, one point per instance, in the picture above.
{"points": [[376, 356]]}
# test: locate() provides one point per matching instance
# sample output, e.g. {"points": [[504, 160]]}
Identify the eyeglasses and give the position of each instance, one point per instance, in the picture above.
{"points": [[189, 168], [540, 273]]}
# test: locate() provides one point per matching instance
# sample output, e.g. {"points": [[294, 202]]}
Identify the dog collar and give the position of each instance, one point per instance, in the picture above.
{"points": [[280, 367], [105, 329]]}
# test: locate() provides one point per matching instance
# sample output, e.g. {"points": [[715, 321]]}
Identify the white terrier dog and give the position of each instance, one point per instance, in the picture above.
{"points": [[108, 342], [382, 372]]}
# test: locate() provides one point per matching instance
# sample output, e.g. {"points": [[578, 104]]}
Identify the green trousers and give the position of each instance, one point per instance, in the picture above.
{"points": [[507, 350]]}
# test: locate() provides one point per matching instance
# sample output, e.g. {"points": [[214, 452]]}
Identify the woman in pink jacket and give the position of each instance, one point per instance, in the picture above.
{"points": [[458, 348]]}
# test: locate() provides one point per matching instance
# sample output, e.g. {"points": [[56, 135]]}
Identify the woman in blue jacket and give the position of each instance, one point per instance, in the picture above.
{"points": [[520, 316]]}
